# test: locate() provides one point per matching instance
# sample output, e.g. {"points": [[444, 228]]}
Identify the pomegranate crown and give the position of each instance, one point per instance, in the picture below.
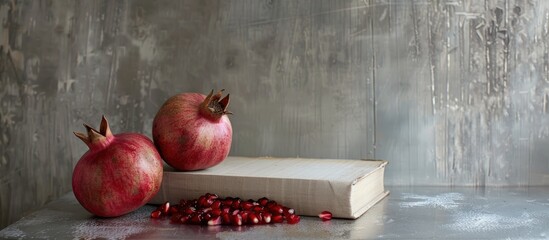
{"points": [[214, 106], [96, 137]]}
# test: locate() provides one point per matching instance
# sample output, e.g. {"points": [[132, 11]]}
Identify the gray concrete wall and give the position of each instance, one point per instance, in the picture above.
{"points": [[450, 92]]}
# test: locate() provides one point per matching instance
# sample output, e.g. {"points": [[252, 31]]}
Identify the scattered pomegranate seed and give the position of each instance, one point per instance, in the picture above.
{"points": [[253, 218], [226, 218], [325, 216], [214, 221], [293, 219], [216, 204], [210, 209], [165, 207], [276, 209], [263, 201], [277, 218], [245, 215], [236, 219], [267, 217], [216, 212], [156, 214], [288, 210], [246, 205]]}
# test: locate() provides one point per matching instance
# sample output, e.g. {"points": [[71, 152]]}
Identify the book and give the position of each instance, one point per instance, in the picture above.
{"points": [[347, 188]]}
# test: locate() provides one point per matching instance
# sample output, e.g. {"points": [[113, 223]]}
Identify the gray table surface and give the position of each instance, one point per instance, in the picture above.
{"points": [[407, 213]]}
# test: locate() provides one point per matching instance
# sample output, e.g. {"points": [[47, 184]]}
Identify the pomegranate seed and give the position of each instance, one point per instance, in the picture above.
{"points": [[257, 208], [267, 217], [236, 211], [189, 210], [277, 218], [216, 204], [236, 204], [156, 214], [252, 217], [270, 204], [288, 210], [184, 218], [236, 219], [226, 218], [216, 212], [205, 210], [276, 209], [325, 215], [228, 202], [226, 209], [174, 209], [203, 201], [176, 218], [183, 202], [246, 205], [214, 221], [165, 207], [196, 218], [244, 215], [263, 201], [293, 219], [206, 217], [212, 196]]}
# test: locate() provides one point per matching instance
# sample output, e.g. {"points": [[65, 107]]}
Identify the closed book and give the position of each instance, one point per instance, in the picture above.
{"points": [[347, 188]]}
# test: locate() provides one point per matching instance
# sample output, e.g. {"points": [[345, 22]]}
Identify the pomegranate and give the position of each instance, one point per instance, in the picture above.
{"points": [[118, 174], [210, 209], [192, 131]]}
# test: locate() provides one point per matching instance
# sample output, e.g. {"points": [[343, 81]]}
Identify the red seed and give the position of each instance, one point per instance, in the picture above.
{"points": [[211, 196], [293, 219], [277, 218], [216, 212], [236, 219], [252, 217], [174, 209], [263, 201], [176, 218], [214, 221], [226, 218], [196, 218], [226, 209], [267, 217], [270, 204], [246, 205], [257, 208], [244, 214], [165, 207], [276, 209], [325, 215], [184, 218], [236, 211], [216, 204], [228, 202], [156, 214], [288, 210], [236, 204], [189, 210]]}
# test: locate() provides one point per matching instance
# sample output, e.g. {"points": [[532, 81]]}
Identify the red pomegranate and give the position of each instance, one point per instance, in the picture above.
{"points": [[118, 174], [192, 131]]}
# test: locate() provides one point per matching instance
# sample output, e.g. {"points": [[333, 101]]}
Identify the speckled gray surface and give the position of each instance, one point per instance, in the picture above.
{"points": [[408, 213]]}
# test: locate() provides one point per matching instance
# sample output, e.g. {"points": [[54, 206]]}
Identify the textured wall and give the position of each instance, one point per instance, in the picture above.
{"points": [[450, 92]]}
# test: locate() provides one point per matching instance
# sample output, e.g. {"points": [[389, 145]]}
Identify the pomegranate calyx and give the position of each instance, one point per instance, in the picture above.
{"points": [[214, 107], [94, 137]]}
